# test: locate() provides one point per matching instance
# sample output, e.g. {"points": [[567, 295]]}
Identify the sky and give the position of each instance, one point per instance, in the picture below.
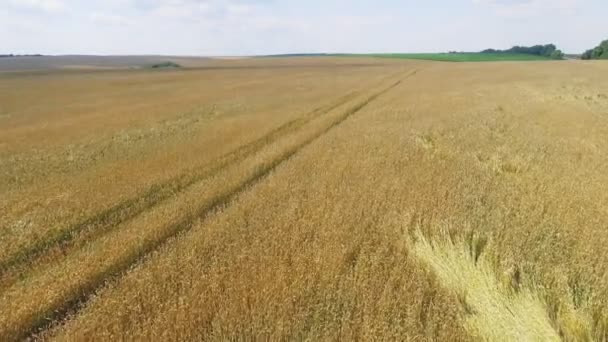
{"points": [[260, 27]]}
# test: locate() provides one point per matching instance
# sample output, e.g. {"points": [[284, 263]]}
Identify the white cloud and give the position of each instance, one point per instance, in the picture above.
{"points": [[197, 10], [108, 19], [239, 8], [40, 5], [526, 8]]}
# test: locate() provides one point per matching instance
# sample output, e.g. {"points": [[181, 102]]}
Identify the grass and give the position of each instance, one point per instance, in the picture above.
{"points": [[460, 57], [322, 200]]}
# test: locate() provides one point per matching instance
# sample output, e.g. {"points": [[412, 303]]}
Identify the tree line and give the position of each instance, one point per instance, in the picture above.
{"points": [[549, 51], [598, 52], [12, 55]]}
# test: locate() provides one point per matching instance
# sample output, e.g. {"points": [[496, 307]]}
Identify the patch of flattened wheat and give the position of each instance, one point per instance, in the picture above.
{"points": [[494, 312]]}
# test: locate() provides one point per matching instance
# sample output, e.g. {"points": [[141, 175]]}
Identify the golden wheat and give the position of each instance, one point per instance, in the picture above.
{"points": [[386, 200]]}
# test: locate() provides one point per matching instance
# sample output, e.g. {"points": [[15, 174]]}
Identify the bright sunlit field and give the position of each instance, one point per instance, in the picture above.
{"points": [[306, 199]]}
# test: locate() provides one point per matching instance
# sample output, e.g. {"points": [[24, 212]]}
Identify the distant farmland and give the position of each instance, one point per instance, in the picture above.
{"points": [[461, 57], [465, 57], [317, 199], [441, 57]]}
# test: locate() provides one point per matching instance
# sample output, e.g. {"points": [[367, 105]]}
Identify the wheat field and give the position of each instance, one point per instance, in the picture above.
{"points": [[311, 198]]}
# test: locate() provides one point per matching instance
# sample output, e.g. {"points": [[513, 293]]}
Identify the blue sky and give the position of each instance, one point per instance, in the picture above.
{"points": [[247, 27]]}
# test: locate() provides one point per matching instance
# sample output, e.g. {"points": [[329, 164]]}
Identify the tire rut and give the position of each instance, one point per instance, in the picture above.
{"points": [[107, 220], [43, 321]]}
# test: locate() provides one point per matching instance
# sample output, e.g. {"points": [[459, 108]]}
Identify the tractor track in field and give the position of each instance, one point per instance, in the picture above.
{"points": [[51, 318], [109, 219]]}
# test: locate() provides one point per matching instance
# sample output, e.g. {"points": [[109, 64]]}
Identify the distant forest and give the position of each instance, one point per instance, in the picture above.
{"points": [[549, 51], [11, 55], [598, 52]]}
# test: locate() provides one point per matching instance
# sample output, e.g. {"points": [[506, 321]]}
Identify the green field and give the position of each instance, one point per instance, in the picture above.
{"points": [[460, 57]]}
